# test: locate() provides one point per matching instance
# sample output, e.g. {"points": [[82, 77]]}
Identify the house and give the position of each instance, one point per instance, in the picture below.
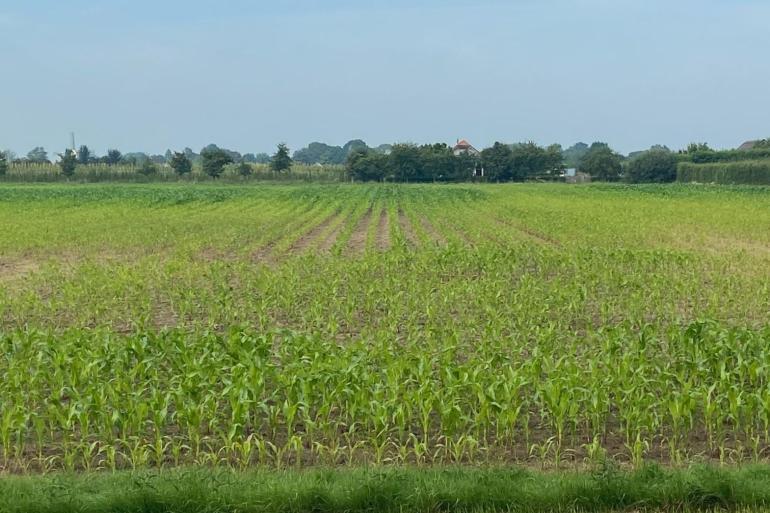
{"points": [[463, 147], [748, 145]]}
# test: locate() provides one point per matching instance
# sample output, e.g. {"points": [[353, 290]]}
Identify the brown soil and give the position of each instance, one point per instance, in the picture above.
{"points": [[310, 238], [12, 270], [432, 232], [328, 243], [407, 229], [383, 232], [357, 242]]}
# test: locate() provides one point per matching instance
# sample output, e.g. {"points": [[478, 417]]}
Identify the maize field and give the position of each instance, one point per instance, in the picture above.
{"points": [[163, 325]]}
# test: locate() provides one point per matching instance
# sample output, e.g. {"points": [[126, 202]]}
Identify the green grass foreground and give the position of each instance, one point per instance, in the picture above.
{"points": [[389, 490]]}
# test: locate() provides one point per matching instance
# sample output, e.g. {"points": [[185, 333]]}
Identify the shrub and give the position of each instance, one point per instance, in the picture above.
{"points": [[749, 172], [655, 166]]}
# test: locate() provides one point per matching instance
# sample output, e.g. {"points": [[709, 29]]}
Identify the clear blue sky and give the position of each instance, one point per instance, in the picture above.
{"points": [[149, 75]]}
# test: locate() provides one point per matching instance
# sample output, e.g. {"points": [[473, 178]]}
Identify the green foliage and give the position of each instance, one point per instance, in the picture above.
{"points": [[113, 157], [214, 161], [3, 164], [498, 163], [749, 172], [656, 166], [393, 490], [244, 169], [366, 165], [180, 164], [216, 325], [147, 168], [84, 155], [602, 164], [68, 163], [574, 154], [37, 154], [281, 161]]}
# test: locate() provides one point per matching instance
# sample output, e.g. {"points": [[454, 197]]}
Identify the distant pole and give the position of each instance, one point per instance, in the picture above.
{"points": [[72, 141]]}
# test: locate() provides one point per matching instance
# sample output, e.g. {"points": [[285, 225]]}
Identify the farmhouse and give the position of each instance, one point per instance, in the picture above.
{"points": [[748, 145], [463, 147]]}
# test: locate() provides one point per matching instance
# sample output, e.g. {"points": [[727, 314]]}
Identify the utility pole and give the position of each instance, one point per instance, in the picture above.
{"points": [[72, 141]]}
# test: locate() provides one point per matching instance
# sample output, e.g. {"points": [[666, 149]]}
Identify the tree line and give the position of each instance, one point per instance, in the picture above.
{"points": [[421, 163]]}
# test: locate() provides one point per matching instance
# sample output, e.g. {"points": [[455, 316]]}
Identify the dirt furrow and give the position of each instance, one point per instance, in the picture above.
{"points": [[383, 231], [407, 229], [310, 237], [357, 242]]}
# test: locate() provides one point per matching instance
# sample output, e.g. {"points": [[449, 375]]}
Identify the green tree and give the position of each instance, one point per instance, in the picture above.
{"points": [[601, 163], [244, 169], [68, 163], [113, 157], [656, 166], [366, 165], [3, 163], [574, 154], [37, 154], [180, 164], [498, 162], [405, 163], [84, 155], [214, 161], [148, 168], [281, 161]]}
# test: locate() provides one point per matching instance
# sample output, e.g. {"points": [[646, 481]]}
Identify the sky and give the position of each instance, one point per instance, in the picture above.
{"points": [[142, 75]]}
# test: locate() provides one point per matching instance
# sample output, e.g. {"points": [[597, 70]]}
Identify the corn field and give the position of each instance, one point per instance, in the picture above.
{"points": [[301, 325]]}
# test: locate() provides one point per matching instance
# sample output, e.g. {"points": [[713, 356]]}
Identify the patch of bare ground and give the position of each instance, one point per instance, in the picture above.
{"points": [[432, 232], [727, 244], [12, 270], [357, 242], [407, 229], [310, 238], [383, 232], [328, 243]]}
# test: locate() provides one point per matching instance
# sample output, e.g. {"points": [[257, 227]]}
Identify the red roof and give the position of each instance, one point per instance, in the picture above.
{"points": [[463, 144]]}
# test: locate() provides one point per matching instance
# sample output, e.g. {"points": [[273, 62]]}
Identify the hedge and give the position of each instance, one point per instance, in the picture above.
{"points": [[749, 172]]}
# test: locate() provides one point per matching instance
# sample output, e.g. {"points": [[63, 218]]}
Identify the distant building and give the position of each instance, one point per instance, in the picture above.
{"points": [[578, 177], [463, 147], [748, 145]]}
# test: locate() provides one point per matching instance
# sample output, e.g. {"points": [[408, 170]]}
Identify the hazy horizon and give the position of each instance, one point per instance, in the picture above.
{"points": [[150, 76]]}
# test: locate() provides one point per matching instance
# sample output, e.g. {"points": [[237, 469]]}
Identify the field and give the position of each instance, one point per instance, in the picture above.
{"points": [[313, 325]]}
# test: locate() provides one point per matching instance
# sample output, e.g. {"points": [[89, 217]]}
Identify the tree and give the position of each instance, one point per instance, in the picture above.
{"points": [[84, 155], [147, 168], [68, 163], [405, 164], [244, 169], [180, 164], [497, 162], [281, 160], [37, 155], [320, 153], [3, 163], [574, 154], [261, 158], [355, 144], [214, 161], [601, 163], [655, 166], [366, 165], [113, 157], [532, 161]]}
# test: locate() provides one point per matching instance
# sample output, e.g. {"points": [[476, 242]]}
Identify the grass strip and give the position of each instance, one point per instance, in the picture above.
{"points": [[389, 490]]}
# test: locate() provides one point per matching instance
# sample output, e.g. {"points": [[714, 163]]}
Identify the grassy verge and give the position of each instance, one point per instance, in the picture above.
{"points": [[391, 490]]}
